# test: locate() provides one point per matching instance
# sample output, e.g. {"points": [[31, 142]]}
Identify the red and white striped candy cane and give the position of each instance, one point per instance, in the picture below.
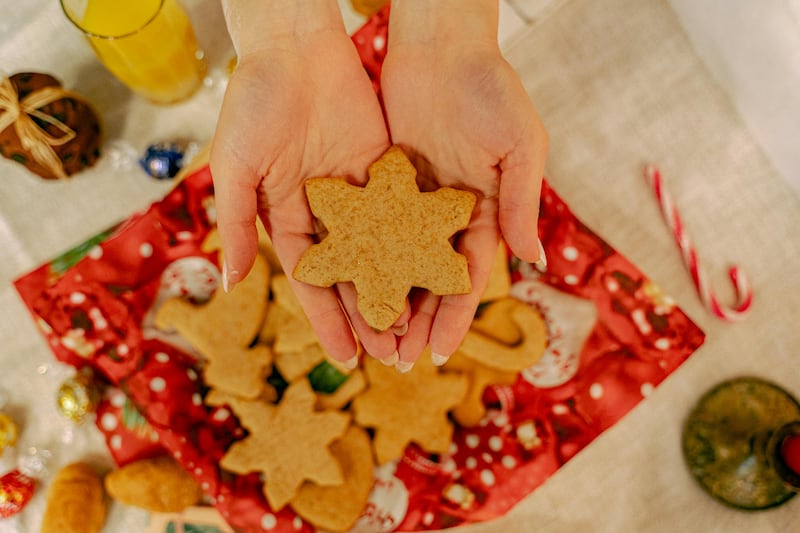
{"points": [[744, 293]]}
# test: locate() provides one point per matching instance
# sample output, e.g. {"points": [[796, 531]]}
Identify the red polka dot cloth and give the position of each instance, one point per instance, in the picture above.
{"points": [[613, 337]]}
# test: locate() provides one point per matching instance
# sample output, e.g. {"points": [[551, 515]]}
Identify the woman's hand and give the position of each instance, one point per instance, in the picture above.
{"points": [[462, 114], [299, 105]]}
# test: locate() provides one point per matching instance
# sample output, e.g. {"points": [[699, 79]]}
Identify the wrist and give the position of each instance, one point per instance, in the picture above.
{"points": [[447, 21], [256, 25]]}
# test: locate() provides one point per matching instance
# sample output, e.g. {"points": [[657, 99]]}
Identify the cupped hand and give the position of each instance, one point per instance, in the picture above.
{"points": [[299, 110], [462, 113]]}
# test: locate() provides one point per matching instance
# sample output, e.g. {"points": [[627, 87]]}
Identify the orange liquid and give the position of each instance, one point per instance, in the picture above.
{"points": [[153, 51]]}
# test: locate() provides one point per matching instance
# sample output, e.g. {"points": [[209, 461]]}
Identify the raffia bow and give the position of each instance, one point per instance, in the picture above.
{"points": [[35, 140]]}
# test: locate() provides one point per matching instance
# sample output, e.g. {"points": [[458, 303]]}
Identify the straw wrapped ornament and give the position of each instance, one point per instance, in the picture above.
{"points": [[53, 132]]}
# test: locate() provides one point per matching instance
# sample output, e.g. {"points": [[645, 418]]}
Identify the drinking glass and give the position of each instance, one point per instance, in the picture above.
{"points": [[149, 45]]}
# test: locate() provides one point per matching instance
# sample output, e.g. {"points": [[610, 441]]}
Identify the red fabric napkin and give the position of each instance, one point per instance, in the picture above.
{"points": [[613, 337]]}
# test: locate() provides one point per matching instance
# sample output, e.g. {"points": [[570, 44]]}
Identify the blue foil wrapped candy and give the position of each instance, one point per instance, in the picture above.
{"points": [[163, 160]]}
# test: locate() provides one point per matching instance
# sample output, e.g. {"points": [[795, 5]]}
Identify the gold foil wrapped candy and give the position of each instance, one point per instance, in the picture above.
{"points": [[77, 397], [9, 432]]}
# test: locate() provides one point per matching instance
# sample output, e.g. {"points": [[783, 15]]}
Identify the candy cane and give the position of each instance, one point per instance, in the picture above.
{"points": [[744, 293]]}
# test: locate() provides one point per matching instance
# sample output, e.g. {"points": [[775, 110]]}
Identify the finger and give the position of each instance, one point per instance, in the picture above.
{"points": [[321, 305], [521, 174], [379, 344], [236, 205], [456, 312], [423, 306]]}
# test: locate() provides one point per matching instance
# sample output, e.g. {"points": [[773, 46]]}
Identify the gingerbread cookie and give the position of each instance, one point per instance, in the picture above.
{"points": [[494, 321], [485, 348], [344, 393], [275, 320], [288, 442], [157, 484], [231, 364], [75, 501], [386, 238], [499, 284], [337, 508], [471, 410], [405, 408], [295, 345]]}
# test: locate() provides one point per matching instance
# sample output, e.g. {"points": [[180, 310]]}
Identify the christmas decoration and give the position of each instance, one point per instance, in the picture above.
{"points": [[53, 132], [16, 490], [9, 432], [163, 160], [78, 397], [744, 293]]}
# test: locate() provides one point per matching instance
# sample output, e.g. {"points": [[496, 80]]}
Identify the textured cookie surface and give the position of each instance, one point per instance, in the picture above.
{"points": [[472, 410], [405, 408], [158, 484], [386, 238], [75, 501], [222, 330], [484, 341], [288, 443], [337, 508]]}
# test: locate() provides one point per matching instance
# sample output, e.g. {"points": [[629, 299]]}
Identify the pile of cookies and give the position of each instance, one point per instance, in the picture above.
{"points": [[315, 444], [315, 430]]}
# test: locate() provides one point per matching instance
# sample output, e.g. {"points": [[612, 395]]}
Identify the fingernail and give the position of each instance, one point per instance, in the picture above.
{"points": [[439, 359], [404, 367], [391, 360], [350, 364], [400, 330], [541, 264], [227, 286]]}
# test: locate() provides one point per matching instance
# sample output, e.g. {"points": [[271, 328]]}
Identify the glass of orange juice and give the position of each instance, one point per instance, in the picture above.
{"points": [[149, 45]]}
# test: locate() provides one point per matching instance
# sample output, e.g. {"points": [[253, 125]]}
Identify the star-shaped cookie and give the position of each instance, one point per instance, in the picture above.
{"points": [[289, 443], [386, 238], [405, 408]]}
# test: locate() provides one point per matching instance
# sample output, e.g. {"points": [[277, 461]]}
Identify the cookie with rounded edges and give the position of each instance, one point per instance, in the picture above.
{"points": [[344, 393], [494, 320], [337, 508], [405, 408], [499, 284], [76, 501], [288, 443], [471, 410], [295, 345], [482, 345], [386, 238], [158, 484]]}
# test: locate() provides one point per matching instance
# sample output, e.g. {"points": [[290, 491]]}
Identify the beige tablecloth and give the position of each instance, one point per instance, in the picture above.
{"points": [[618, 85]]}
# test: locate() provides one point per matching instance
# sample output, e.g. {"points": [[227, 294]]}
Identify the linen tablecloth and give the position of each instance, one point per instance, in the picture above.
{"points": [[618, 85]]}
